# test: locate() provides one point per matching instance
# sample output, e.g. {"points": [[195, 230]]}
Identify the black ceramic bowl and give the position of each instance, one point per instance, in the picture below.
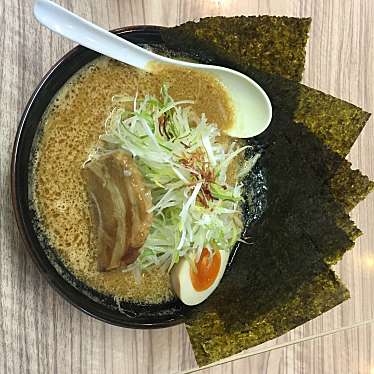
{"points": [[77, 293]]}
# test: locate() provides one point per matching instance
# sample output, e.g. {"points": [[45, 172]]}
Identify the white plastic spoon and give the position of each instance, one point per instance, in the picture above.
{"points": [[252, 106]]}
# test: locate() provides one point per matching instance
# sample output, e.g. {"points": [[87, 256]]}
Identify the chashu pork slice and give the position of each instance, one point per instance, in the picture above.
{"points": [[119, 204]]}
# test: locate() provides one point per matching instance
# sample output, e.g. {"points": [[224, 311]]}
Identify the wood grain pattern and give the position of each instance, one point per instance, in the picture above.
{"points": [[41, 333]]}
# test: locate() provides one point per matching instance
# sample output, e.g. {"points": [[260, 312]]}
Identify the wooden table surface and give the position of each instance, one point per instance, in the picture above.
{"points": [[42, 333]]}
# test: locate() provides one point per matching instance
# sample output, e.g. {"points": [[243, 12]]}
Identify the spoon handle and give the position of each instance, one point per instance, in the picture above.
{"points": [[77, 29]]}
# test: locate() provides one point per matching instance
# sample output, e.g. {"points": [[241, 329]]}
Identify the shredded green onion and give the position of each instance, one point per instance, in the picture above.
{"points": [[185, 167]]}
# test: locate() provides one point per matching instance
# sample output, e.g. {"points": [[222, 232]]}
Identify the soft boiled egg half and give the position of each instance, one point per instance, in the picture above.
{"points": [[194, 284]]}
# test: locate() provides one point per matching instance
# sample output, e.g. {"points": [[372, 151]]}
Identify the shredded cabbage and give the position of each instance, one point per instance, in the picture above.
{"points": [[185, 167]]}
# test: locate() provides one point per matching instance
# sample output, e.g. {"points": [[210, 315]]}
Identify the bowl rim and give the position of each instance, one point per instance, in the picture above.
{"points": [[58, 283]]}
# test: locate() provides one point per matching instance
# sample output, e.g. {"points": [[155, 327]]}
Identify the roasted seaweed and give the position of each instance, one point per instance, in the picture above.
{"points": [[212, 341], [298, 195], [273, 44], [349, 186], [281, 279], [286, 262]]}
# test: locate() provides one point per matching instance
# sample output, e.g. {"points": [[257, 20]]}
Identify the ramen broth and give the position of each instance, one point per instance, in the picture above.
{"points": [[70, 130]]}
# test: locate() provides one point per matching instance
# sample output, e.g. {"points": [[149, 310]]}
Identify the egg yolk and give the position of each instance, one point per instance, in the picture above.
{"points": [[206, 270]]}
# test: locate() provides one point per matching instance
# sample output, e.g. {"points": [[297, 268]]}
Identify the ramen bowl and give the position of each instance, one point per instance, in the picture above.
{"points": [[79, 294]]}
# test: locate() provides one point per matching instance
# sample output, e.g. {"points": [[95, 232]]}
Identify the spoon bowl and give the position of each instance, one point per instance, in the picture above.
{"points": [[251, 106]]}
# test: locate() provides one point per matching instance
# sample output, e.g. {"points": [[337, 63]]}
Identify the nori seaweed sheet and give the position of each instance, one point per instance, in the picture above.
{"points": [[273, 44], [282, 278], [289, 143], [335, 122], [211, 340], [349, 186], [304, 199], [303, 229]]}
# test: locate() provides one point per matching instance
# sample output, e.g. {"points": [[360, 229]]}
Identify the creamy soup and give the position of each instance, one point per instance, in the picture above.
{"points": [[71, 127]]}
